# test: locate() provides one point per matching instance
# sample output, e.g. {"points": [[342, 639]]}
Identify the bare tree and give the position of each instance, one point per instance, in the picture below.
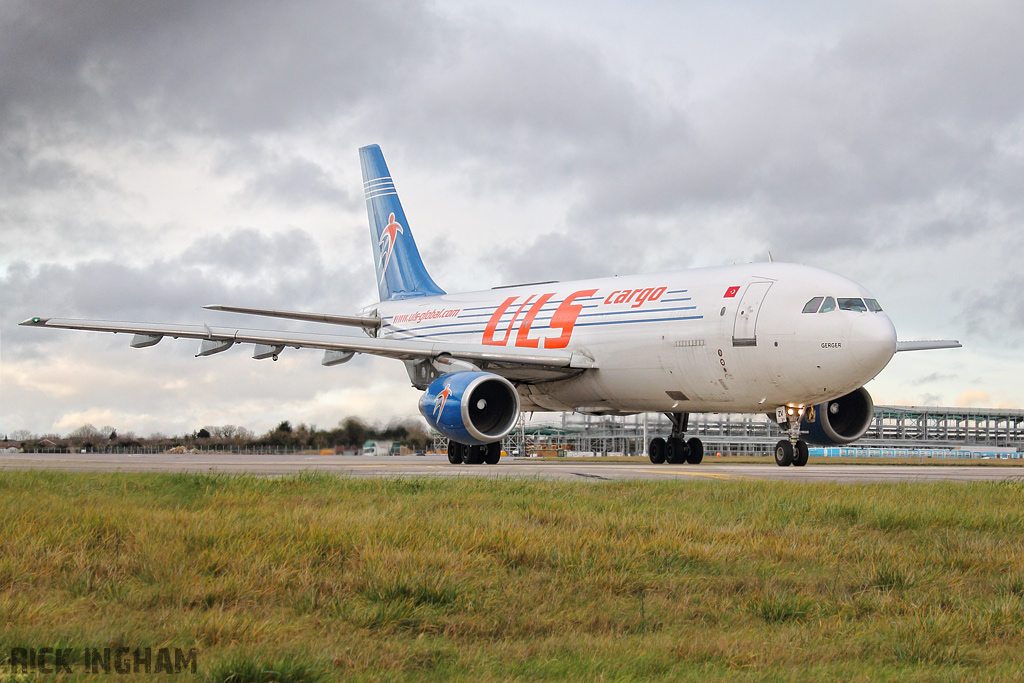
{"points": [[85, 432]]}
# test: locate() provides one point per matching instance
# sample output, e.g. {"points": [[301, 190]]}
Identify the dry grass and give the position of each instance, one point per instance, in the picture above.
{"points": [[316, 577]]}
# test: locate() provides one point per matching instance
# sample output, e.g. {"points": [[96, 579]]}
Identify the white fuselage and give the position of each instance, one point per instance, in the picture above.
{"points": [[729, 339]]}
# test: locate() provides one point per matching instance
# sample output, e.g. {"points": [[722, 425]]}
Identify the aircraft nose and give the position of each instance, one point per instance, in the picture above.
{"points": [[873, 341]]}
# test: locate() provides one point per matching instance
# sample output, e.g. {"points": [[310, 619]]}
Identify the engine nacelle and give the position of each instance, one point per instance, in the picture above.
{"points": [[840, 420], [473, 408]]}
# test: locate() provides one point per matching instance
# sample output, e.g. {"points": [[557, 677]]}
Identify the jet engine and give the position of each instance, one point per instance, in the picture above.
{"points": [[473, 408], [840, 420]]}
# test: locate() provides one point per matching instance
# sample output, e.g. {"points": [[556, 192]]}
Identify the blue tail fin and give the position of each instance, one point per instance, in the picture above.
{"points": [[400, 270]]}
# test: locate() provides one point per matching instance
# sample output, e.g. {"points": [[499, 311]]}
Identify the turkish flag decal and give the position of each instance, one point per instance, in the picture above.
{"points": [[731, 292]]}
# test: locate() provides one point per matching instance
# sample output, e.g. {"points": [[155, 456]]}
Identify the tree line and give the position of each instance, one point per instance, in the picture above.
{"points": [[351, 433]]}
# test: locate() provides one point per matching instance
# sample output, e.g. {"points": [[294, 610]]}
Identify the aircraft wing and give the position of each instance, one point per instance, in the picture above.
{"points": [[366, 322], [927, 345], [522, 362]]}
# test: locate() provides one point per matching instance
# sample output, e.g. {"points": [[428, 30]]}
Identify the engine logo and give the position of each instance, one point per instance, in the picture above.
{"points": [[441, 399]]}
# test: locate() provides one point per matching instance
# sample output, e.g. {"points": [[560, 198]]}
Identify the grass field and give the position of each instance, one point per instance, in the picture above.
{"points": [[316, 577]]}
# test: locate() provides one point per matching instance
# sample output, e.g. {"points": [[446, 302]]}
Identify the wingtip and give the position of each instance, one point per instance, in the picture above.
{"points": [[34, 321]]}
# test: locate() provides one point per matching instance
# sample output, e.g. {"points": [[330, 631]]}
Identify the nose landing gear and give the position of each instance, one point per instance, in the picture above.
{"points": [[677, 449], [792, 450]]}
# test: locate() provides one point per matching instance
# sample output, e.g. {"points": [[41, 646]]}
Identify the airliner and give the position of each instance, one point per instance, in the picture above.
{"points": [[795, 342]]}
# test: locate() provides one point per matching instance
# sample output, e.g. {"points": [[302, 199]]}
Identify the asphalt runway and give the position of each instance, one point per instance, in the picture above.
{"points": [[438, 466]]}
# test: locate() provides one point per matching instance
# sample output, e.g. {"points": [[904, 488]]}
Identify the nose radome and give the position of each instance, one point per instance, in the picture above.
{"points": [[873, 341]]}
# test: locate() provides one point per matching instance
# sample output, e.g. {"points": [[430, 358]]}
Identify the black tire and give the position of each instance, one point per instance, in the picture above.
{"points": [[801, 454], [656, 450], [696, 451], [474, 455], [493, 456], [675, 451], [455, 450], [784, 453]]}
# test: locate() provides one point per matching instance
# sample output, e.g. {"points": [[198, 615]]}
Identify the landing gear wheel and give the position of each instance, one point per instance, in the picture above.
{"points": [[696, 451], [784, 453], [455, 450], [656, 450], [493, 455], [474, 455], [676, 452], [800, 456]]}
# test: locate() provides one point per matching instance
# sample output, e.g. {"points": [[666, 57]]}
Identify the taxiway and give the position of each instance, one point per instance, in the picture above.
{"points": [[438, 466]]}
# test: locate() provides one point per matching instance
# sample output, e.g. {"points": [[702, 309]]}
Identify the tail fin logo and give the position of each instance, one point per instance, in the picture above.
{"points": [[441, 399], [388, 237]]}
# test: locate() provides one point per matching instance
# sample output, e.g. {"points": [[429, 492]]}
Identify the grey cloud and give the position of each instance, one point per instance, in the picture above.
{"points": [[243, 268], [952, 61], [995, 315], [22, 172], [935, 377], [859, 147], [861, 144], [823, 149], [950, 227], [296, 182], [225, 67], [504, 98], [565, 257], [887, 115], [255, 254]]}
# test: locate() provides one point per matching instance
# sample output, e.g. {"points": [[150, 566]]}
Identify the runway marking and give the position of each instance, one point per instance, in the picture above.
{"points": [[710, 475]]}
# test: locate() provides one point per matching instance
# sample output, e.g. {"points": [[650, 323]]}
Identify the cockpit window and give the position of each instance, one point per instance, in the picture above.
{"points": [[852, 305], [873, 305], [829, 305], [812, 305]]}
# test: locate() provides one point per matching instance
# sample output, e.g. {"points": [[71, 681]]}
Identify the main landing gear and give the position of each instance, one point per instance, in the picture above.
{"points": [[792, 450], [463, 454], [676, 449]]}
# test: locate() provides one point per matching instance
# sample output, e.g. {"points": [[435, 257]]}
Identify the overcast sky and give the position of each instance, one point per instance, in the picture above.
{"points": [[156, 157]]}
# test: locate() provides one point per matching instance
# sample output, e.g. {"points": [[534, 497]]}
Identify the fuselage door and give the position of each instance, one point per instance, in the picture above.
{"points": [[744, 329], [702, 376]]}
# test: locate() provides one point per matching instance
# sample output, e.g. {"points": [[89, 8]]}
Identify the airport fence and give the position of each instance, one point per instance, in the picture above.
{"points": [[914, 453], [177, 450]]}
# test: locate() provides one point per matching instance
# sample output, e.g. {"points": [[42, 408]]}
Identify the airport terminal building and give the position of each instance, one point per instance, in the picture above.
{"points": [[895, 431]]}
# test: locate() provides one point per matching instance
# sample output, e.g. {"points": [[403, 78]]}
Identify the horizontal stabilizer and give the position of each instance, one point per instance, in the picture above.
{"points": [[927, 345], [365, 322]]}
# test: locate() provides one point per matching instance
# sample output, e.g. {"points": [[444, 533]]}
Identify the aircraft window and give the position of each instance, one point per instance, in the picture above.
{"points": [[852, 305], [812, 305], [873, 305], [829, 305]]}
